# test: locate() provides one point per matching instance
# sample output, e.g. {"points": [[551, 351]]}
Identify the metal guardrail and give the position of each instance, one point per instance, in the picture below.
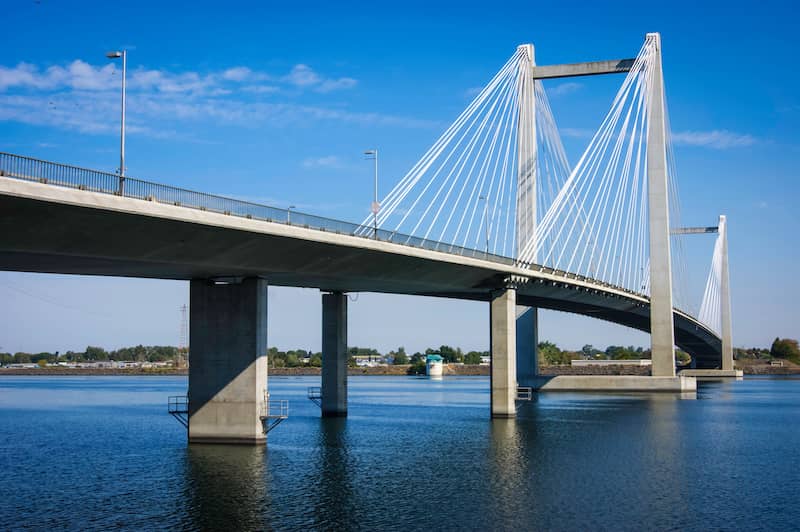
{"points": [[29, 169], [524, 393], [40, 171], [178, 407], [315, 395]]}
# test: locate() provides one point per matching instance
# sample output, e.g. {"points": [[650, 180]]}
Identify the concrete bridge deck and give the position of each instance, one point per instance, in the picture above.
{"points": [[55, 229]]}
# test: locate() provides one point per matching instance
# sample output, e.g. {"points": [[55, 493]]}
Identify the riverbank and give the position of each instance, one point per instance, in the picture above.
{"points": [[450, 369]]}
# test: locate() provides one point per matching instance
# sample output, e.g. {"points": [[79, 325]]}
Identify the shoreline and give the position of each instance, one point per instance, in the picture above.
{"points": [[389, 371]]}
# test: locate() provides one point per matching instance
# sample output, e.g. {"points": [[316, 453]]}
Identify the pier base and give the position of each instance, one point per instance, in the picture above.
{"points": [[503, 340], [615, 383], [228, 366], [712, 373], [334, 354]]}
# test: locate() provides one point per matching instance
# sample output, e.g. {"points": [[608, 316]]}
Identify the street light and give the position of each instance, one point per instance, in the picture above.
{"points": [[485, 199], [289, 214], [124, 55], [373, 155]]}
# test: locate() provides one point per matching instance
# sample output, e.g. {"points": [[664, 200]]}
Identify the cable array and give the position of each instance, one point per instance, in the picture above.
{"points": [[711, 307], [469, 187], [597, 224]]}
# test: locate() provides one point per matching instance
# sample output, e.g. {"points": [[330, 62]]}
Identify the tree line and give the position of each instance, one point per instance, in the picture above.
{"points": [[549, 354], [139, 353]]}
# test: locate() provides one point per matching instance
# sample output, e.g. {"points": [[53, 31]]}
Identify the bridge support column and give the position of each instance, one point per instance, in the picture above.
{"points": [[503, 339], [662, 332], [725, 303], [527, 342], [228, 366], [334, 354]]}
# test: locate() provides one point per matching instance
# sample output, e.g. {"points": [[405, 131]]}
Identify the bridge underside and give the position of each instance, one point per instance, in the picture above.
{"points": [[51, 230]]}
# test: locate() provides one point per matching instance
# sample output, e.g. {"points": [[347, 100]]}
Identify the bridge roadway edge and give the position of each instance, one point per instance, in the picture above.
{"points": [[428, 272]]}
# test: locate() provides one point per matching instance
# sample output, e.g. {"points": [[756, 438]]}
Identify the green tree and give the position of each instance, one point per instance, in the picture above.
{"points": [[550, 354], [785, 348], [473, 357], [292, 361], [316, 360], [400, 357]]}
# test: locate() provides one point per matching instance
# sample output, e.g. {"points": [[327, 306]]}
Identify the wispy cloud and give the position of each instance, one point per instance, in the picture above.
{"points": [[84, 97], [305, 77], [576, 132], [562, 89], [472, 92], [329, 161], [718, 139]]}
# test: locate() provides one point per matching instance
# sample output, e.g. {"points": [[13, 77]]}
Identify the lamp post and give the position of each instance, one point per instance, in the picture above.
{"points": [[376, 207], [485, 199], [289, 214], [124, 55]]}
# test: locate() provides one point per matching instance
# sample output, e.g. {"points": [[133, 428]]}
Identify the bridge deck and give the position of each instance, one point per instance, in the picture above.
{"points": [[53, 229]]}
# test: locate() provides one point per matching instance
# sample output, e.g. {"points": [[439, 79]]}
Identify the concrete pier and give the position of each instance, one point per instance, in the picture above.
{"points": [[527, 345], [712, 374], [615, 383], [334, 354], [228, 367], [503, 340]]}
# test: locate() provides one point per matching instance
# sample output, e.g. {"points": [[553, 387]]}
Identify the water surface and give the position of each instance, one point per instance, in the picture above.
{"points": [[101, 452]]}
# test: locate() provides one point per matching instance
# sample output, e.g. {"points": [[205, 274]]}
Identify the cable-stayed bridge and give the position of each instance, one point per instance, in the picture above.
{"points": [[492, 211]]}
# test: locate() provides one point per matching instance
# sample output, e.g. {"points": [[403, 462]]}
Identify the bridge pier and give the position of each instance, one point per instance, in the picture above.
{"points": [[228, 369], [527, 342], [503, 340], [334, 354]]}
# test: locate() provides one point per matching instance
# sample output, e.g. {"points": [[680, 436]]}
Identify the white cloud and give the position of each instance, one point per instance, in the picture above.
{"points": [[330, 161], [717, 139], [260, 89], [237, 74], [302, 76], [565, 88], [472, 92], [335, 84]]}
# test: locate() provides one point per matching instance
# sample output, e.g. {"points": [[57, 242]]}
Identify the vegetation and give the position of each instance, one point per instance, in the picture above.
{"points": [[785, 348], [549, 354], [139, 353]]}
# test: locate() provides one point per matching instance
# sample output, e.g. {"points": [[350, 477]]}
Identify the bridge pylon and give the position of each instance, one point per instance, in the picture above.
{"points": [[662, 333]]}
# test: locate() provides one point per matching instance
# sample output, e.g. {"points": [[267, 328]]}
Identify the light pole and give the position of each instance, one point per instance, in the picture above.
{"points": [[124, 55], [376, 207], [485, 199], [289, 214]]}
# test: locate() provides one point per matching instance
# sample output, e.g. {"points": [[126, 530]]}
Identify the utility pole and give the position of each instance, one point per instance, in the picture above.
{"points": [[376, 207]]}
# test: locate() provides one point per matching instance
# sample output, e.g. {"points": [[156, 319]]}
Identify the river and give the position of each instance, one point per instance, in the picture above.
{"points": [[414, 454]]}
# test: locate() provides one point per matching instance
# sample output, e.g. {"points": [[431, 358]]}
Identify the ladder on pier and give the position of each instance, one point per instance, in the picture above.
{"points": [[273, 412], [315, 395], [524, 393], [178, 407]]}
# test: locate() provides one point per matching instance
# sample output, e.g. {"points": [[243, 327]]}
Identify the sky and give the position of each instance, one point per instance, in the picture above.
{"points": [[275, 103]]}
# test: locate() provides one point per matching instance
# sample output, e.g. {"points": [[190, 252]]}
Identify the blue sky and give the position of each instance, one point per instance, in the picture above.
{"points": [[275, 103]]}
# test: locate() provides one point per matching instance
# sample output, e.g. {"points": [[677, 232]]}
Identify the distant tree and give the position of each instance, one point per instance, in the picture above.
{"points": [[473, 357], [785, 348], [316, 360], [42, 362], [683, 357], [22, 358], [400, 357], [292, 361], [550, 354]]}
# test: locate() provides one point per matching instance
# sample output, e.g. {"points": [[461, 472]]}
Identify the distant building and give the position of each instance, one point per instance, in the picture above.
{"points": [[434, 365]]}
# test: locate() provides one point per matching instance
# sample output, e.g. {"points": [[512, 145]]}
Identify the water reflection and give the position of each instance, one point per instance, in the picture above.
{"points": [[228, 487], [334, 498], [508, 470]]}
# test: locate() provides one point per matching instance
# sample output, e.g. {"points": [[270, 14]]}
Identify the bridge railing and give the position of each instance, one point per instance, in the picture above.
{"points": [[52, 173]]}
